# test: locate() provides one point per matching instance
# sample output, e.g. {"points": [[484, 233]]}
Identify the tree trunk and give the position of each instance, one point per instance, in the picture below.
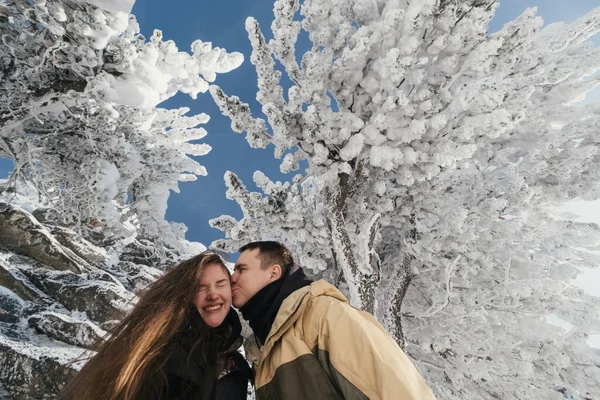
{"points": [[362, 285], [399, 286]]}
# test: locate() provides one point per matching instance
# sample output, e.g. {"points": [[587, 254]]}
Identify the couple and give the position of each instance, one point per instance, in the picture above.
{"points": [[180, 340]]}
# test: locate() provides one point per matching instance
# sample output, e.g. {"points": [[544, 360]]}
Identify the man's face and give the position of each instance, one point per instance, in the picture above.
{"points": [[248, 277]]}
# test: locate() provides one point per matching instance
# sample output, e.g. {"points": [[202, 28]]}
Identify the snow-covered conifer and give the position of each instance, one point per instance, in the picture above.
{"points": [[435, 153], [78, 116]]}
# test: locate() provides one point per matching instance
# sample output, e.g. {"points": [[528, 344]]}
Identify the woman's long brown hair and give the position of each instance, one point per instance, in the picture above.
{"points": [[129, 363]]}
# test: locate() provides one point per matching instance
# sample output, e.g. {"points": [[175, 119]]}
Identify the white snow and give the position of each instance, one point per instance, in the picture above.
{"points": [[594, 341], [160, 70], [9, 293], [132, 90], [112, 5], [555, 320], [585, 212], [581, 211], [44, 347], [109, 177], [589, 280]]}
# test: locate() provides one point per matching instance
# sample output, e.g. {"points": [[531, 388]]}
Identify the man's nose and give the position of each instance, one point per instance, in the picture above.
{"points": [[234, 277]]}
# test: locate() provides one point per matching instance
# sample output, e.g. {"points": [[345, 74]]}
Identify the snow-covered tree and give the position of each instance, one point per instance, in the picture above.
{"points": [[82, 216], [78, 117], [435, 151]]}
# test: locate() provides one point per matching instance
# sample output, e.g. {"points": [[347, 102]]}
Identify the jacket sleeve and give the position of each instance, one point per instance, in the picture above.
{"points": [[360, 356]]}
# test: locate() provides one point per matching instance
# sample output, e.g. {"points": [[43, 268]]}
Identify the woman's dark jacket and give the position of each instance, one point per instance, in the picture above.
{"points": [[224, 376]]}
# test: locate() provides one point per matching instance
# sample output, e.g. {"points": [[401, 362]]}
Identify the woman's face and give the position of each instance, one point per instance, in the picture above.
{"points": [[213, 299]]}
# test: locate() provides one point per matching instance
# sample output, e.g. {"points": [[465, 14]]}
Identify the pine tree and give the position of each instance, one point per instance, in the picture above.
{"points": [[435, 151], [78, 116]]}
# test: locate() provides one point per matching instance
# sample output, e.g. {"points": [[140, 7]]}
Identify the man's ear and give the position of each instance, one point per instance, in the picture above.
{"points": [[275, 273]]}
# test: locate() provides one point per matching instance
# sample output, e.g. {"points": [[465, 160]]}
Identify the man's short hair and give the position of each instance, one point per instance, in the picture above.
{"points": [[271, 253]]}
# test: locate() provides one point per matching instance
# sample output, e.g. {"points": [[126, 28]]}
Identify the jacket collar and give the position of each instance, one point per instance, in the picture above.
{"points": [[290, 311]]}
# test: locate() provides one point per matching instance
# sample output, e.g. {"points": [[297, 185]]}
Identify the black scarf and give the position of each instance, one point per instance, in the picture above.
{"points": [[260, 311]]}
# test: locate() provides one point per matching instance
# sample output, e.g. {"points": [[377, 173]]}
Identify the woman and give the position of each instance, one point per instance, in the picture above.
{"points": [[179, 342]]}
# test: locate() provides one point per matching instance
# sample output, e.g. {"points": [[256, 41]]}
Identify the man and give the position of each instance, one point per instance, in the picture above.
{"points": [[309, 343]]}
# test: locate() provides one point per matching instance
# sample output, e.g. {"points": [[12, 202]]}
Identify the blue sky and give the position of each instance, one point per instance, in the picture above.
{"points": [[222, 23]]}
